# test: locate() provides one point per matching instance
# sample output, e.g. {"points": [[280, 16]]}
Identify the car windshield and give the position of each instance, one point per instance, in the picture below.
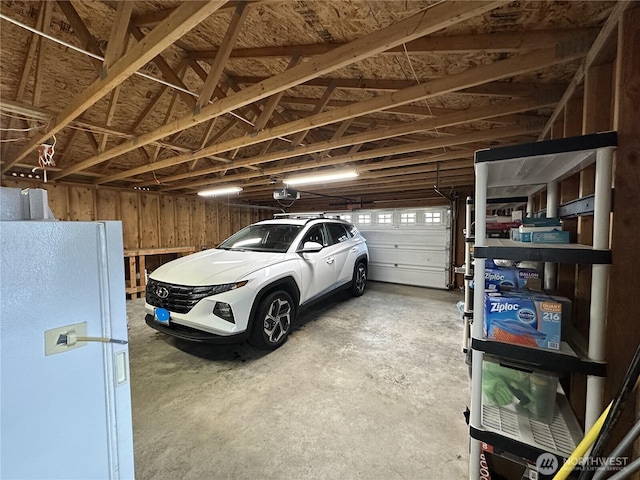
{"points": [[270, 237]]}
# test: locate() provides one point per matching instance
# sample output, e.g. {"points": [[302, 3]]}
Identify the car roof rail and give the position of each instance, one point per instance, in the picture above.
{"points": [[308, 215]]}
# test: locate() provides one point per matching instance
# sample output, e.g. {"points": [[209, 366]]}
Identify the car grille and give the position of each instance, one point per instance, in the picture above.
{"points": [[180, 298]]}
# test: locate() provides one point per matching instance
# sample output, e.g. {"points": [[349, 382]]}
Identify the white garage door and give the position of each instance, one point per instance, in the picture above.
{"points": [[406, 246]]}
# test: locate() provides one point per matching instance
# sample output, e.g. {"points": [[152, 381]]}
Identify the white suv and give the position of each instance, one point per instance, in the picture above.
{"points": [[257, 281]]}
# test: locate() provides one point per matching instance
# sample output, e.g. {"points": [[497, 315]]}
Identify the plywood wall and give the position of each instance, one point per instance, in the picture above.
{"points": [[149, 220]]}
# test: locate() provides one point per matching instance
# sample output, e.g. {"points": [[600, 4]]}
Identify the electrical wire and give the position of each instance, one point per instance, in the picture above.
{"points": [[415, 76], [21, 129], [139, 73]]}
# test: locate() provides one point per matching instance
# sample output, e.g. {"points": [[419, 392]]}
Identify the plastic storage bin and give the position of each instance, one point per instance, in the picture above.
{"points": [[532, 392]]}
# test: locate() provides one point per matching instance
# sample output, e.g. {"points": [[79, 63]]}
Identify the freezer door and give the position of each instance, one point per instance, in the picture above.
{"points": [[64, 415]]}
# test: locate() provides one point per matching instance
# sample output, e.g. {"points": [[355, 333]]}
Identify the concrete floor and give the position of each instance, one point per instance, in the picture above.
{"points": [[372, 388]]}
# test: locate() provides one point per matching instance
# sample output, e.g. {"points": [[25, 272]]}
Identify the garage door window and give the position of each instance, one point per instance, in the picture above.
{"points": [[346, 216], [384, 218], [408, 217], [364, 218], [432, 217]]}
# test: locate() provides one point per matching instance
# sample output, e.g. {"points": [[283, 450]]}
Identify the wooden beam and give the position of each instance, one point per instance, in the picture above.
{"points": [[183, 19], [459, 117], [455, 118], [375, 182], [593, 53], [402, 162], [42, 54], [495, 42], [480, 136], [573, 117], [115, 49], [87, 40], [598, 99], [151, 19], [118, 37], [623, 336], [180, 70], [495, 89], [319, 107], [168, 73], [92, 141], [67, 147], [403, 109], [46, 115], [440, 16], [340, 131], [34, 41], [222, 55], [272, 102], [484, 73], [242, 115]]}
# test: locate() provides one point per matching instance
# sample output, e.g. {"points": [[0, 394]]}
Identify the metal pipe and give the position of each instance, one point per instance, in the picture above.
{"points": [[628, 471], [625, 443], [530, 206], [599, 281]]}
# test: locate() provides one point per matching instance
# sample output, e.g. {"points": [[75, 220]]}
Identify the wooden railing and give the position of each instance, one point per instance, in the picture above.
{"points": [[137, 283]]}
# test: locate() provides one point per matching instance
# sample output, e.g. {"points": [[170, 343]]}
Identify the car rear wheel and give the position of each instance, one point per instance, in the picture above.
{"points": [[273, 321], [359, 281]]}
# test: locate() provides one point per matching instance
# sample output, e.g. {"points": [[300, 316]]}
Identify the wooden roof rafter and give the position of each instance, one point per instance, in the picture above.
{"points": [[440, 16], [183, 19], [501, 69], [479, 136], [496, 42]]}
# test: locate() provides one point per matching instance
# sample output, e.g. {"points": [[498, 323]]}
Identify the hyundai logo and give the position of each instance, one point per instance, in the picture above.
{"points": [[162, 292]]}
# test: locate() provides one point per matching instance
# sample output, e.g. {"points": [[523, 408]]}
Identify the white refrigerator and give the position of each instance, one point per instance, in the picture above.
{"points": [[65, 402]]}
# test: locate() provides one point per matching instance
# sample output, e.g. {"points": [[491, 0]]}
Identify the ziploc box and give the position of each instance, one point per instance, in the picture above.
{"points": [[532, 319], [497, 278]]}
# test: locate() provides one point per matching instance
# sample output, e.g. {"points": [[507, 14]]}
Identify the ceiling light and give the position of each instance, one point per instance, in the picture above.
{"points": [[321, 178], [217, 192]]}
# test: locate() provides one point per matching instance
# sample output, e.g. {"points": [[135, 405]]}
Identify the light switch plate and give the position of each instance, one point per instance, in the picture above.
{"points": [[51, 337]]}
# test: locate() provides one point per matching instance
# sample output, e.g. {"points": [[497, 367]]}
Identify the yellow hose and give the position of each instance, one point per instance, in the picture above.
{"points": [[582, 447]]}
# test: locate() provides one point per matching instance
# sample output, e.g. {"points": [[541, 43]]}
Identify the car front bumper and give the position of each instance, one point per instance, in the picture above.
{"points": [[187, 333]]}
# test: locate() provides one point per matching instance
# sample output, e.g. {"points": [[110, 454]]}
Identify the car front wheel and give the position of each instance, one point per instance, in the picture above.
{"points": [[273, 321], [359, 281]]}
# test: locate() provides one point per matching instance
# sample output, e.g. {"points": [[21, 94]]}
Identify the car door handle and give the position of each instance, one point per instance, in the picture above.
{"points": [[330, 260]]}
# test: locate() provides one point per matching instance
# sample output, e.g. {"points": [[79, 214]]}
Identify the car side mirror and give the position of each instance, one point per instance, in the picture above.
{"points": [[311, 247]]}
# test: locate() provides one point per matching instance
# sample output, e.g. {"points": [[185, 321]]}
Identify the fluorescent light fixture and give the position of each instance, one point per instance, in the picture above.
{"points": [[321, 177], [217, 192]]}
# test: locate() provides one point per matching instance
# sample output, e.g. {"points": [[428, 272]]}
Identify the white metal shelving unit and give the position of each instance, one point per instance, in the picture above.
{"points": [[522, 170], [467, 315]]}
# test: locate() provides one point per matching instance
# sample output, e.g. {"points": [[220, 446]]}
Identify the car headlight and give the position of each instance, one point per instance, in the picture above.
{"points": [[216, 289]]}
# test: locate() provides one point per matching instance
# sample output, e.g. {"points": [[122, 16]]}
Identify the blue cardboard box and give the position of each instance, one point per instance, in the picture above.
{"points": [[532, 319], [498, 278], [556, 236], [527, 233]]}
